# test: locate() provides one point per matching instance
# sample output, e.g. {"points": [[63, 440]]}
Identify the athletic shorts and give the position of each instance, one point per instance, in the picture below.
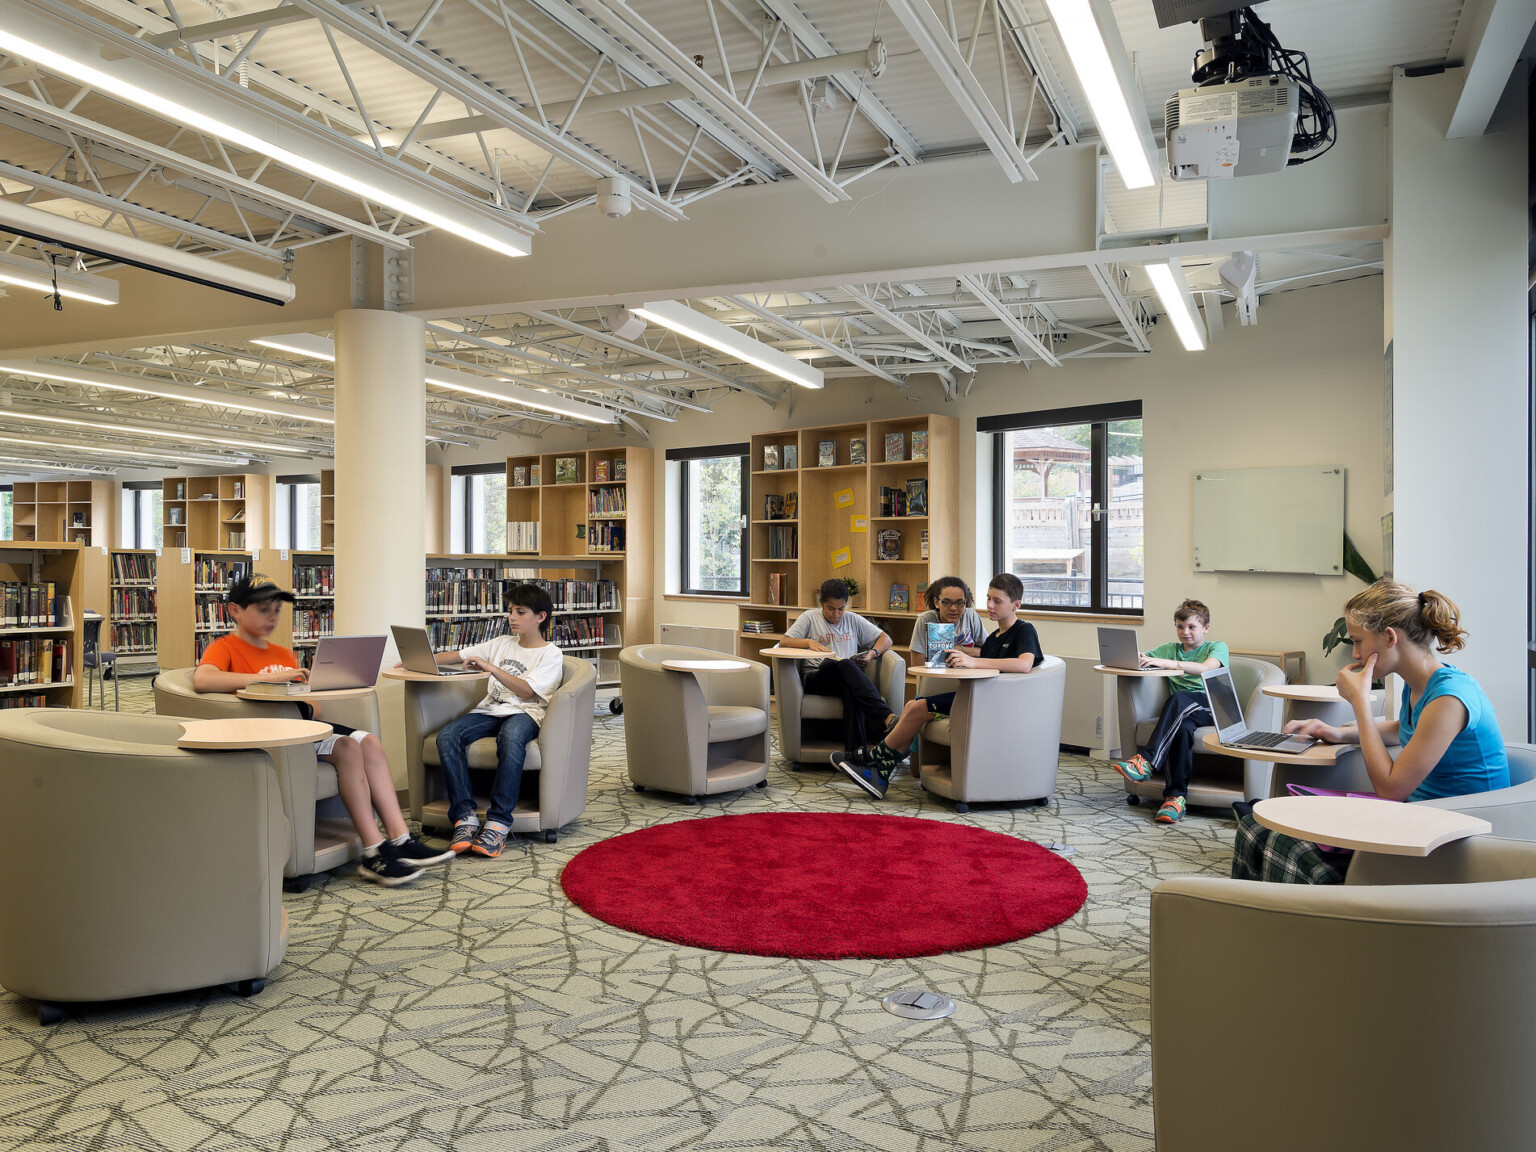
{"points": [[338, 731]]}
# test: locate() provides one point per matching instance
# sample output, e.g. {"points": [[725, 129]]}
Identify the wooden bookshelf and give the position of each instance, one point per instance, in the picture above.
{"points": [[187, 596], [216, 513], [824, 526], [327, 510], [132, 608], [57, 563], [77, 511], [311, 575]]}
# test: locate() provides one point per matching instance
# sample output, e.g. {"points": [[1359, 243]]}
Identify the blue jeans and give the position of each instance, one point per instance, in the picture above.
{"points": [[513, 734]]}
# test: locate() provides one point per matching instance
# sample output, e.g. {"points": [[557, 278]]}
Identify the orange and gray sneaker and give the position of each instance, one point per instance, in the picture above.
{"points": [[490, 841], [463, 836], [1136, 769], [1172, 810]]}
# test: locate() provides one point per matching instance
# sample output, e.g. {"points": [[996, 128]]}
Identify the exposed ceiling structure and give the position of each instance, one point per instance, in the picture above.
{"points": [[260, 128]]}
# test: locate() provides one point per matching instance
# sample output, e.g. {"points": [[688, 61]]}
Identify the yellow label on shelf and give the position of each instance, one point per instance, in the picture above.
{"points": [[842, 558], [843, 498], [858, 523]]}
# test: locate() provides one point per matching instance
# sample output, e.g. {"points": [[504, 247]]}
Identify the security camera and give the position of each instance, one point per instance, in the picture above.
{"points": [[613, 198]]}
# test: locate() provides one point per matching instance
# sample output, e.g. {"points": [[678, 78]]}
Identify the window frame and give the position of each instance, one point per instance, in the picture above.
{"points": [[10, 490], [137, 528], [683, 457], [293, 482], [1099, 416], [460, 474]]}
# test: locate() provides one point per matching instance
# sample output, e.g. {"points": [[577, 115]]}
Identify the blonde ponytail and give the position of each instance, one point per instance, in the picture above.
{"points": [[1420, 616]]}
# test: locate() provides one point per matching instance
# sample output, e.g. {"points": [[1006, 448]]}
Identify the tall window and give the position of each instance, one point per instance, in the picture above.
{"points": [[714, 519], [480, 508], [5, 512], [1067, 506], [141, 514], [298, 512]]}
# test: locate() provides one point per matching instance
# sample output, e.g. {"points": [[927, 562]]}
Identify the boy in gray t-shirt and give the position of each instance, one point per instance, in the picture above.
{"points": [[850, 642]]}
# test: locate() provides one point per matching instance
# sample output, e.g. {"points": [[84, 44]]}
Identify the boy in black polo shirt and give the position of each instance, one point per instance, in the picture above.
{"points": [[1014, 647]]}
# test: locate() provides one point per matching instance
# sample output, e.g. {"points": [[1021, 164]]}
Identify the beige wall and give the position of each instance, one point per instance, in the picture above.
{"points": [[1302, 387]]}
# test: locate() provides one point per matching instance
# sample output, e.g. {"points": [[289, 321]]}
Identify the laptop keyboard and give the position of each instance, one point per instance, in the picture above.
{"points": [[1264, 739]]}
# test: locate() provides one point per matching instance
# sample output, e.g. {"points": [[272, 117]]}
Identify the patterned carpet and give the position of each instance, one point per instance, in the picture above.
{"points": [[478, 1009]]}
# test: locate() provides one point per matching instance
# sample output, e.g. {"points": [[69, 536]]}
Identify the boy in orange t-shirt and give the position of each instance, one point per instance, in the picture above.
{"points": [[245, 656]]}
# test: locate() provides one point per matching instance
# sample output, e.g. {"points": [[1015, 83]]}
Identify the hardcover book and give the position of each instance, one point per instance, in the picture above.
{"points": [[857, 452], [941, 639], [920, 444], [791, 456], [770, 458], [566, 470], [895, 446], [773, 507], [792, 506], [533, 475], [899, 599], [620, 469], [922, 539], [520, 476], [917, 497], [600, 471], [890, 544], [826, 454]]}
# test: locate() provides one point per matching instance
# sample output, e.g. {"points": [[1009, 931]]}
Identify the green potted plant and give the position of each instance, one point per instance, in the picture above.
{"points": [[1356, 566]]}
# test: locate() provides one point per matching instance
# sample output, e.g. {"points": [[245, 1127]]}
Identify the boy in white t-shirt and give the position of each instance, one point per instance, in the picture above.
{"points": [[525, 669], [850, 642]]}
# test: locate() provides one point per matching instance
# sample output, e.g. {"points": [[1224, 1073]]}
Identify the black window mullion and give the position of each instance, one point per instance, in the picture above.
{"points": [[1098, 517], [686, 536]]}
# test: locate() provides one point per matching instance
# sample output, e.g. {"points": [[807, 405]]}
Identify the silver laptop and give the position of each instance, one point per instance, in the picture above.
{"points": [[416, 653], [346, 662], [1232, 730], [1118, 648]]}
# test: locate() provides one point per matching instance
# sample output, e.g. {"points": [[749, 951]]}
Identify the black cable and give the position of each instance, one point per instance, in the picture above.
{"points": [[1316, 127]]}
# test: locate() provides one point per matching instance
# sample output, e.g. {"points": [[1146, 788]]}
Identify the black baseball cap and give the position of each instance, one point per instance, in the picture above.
{"points": [[250, 590]]}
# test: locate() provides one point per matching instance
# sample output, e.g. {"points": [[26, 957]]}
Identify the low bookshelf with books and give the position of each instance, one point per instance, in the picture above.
{"points": [[873, 502], [134, 609], [41, 633]]}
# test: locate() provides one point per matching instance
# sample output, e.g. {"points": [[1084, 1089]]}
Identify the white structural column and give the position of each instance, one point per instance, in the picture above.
{"points": [[1456, 323], [381, 458]]}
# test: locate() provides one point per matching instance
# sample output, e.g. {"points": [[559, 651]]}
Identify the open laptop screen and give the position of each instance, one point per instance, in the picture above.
{"points": [[1223, 697]]}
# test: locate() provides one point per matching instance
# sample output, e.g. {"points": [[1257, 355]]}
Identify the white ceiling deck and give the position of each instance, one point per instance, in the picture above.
{"points": [[517, 107]]}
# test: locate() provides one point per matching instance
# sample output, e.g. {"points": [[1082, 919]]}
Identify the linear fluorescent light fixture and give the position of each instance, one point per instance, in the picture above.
{"points": [[140, 430], [40, 276], [1092, 39], [508, 243], [1178, 302], [685, 321], [212, 397], [509, 393], [67, 232], [75, 446], [300, 344]]}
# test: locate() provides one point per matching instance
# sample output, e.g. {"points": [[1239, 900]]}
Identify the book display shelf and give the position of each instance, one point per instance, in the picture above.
{"points": [[77, 511], [215, 513], [190, 598], [41, 633], [327, 510], [311, 576], [133, 615], [850, 500]]}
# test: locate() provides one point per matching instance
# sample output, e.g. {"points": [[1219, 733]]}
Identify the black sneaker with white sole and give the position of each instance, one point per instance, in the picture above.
{"points": [[872, 777], [414, 854], [385, 867]]}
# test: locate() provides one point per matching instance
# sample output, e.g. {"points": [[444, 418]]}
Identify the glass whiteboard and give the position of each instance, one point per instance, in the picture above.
{"points": [[1270, 520]]}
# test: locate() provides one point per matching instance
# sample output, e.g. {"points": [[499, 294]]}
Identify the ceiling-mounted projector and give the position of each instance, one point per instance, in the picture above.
{"points": [[1254, 107]]}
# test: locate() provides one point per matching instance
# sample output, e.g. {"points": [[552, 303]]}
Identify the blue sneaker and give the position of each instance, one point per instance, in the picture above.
{"points": [[874, 778]]}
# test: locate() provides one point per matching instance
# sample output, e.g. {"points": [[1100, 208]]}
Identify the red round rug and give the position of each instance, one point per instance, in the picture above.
{"points": [[826, 886]]}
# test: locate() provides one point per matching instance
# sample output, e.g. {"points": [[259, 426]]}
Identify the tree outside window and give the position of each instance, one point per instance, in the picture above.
{"points": [[714, 497]]}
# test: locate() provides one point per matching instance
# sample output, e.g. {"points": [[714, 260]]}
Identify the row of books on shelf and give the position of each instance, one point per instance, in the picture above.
{"points": [[788, 457], [128, 603], [911, 501], [24, 700], [314, 579], [522, 535], [783, 542], [42, 660], [758, 627], [213, 614], [313, 623], [137, 639], [776, 507], [201, 640], [778, 587], [888, 544], [584, 632], [132, 567], [605, 537], [236, 539], [581, 595], [216, 572], [31, 605], [607, 502], [463, 596], [451, 635]]}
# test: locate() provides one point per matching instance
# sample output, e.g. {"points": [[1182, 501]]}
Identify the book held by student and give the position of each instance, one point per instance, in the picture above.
{"points": [[941, 640]]}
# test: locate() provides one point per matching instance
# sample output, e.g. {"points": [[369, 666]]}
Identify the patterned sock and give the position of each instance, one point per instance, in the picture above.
{"points": [[883, 753]]}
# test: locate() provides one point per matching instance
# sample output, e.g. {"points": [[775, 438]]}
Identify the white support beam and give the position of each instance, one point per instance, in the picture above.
{"points": [[975, 285], [949, 63], [151, 386], [836, 349], [905, 327], [1105, 279], [1493, 38], [233, 26]]}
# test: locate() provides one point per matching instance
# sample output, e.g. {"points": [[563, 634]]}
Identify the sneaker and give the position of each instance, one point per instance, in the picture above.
{"points": [[385, 867], [463, 837], [1172, 810], [414, 854], [490, 841], [1136, 769], [873, 778]]}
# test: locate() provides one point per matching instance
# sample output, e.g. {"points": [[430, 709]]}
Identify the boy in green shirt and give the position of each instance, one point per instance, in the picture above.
{"points": [[1172, 746]]}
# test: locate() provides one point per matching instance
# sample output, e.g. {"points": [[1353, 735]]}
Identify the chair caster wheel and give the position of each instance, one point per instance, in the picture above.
{"points": [[249, 988], [616, 706], [761, 784], [550, 836], [639, 787], [296, 883], [962, 808], [691, 801], [1132, 799], [1042, 802], [49, 1014]]}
